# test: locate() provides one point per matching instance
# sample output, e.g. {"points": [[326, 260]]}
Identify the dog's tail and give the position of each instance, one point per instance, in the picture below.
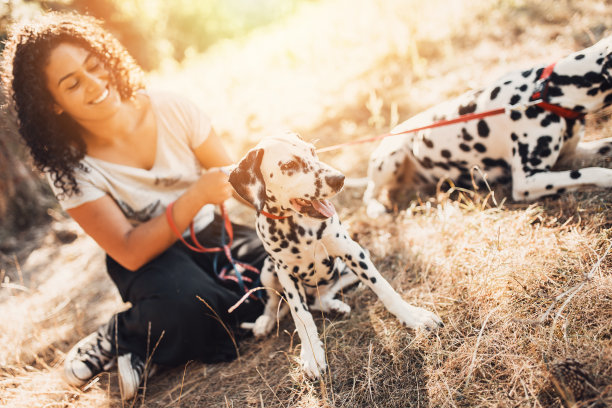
{"points": [[355, 182]]}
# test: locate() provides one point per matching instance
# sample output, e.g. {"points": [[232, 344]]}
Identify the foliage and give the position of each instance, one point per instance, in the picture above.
{"points": [[153, 30]]}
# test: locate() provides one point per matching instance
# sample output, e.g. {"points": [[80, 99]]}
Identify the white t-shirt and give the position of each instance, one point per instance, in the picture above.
{"points": [[144, 194]]}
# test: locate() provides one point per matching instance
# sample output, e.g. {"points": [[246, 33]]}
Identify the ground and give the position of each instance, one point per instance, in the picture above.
{"points": [[519, 286]]}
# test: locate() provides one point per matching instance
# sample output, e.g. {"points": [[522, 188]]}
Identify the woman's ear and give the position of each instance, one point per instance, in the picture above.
{"points": [[57, 109]]}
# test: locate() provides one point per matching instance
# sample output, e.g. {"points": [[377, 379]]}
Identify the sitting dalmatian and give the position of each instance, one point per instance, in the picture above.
{"points": [[541, 128], [309, 249]]}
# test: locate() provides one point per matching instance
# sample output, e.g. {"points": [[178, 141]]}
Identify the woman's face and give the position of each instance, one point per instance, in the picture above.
{"points": [[80, 84]]}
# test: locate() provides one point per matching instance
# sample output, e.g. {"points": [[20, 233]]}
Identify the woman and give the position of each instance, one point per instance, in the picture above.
{"points": [[117, 156]]}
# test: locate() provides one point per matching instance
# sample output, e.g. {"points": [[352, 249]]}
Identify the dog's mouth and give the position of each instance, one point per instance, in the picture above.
{"points": [[313, 208]]}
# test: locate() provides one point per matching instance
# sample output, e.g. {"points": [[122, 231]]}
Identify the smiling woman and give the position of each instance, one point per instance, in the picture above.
{"points": [[116, 156]]}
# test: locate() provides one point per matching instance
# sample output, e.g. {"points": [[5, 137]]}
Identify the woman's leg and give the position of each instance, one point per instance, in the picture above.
{"points": [[177, 306]]}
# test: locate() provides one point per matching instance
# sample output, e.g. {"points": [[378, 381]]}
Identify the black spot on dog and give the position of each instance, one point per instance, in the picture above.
{"points": [[515, 99], [495, 92], [295, 250], [533, 112], [465, 147], [561, 190], [526, 74], [542, 148], [426, 163], [479, 147], [466, 136], [487, 161], [554, 91], [483, 128], [427, 143], [508, 82], [604, 150], [465, 109], [522, 88], [296, 269], [575, 174], [442, 165], [363, 265], [373, 279], [514, 137], [579, 57], [362, 255], [549, 187], [515, 115], [321, 229], [446, 154]]}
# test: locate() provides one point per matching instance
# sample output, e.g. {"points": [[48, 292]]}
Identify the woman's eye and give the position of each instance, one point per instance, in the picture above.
{"points": [[74, 85]]}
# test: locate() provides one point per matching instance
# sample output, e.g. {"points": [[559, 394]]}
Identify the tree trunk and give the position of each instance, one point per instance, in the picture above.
{"points": [[24, 195]]}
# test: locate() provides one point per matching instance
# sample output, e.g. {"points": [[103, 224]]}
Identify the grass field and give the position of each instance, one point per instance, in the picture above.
{"points": [[519, 286]]}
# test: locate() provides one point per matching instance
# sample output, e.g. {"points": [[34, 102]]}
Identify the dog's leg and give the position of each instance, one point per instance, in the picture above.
{"points": [[325, 301], [546, 183], [312, 354], [273, 311], [385, 166], [586, 154], [356, 258]]}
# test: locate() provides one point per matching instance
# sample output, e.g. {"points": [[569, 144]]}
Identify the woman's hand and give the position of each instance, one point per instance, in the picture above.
{"points": [[214, 187]]}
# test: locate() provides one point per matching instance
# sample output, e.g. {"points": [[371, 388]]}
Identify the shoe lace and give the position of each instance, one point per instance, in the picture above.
{"points": [[95, 352]]}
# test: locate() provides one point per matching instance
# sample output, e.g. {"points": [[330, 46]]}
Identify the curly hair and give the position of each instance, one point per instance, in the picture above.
{"points": [[55, 141]]}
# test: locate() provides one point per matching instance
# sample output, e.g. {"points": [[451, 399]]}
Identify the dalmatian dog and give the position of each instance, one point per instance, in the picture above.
{"points": [[311, 256], [541, 128]]}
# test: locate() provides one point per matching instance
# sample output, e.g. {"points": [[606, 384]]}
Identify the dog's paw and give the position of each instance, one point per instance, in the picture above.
{"points": [[263, 325], [419, 318], [313, 361], [375, 209], [331, 305]]}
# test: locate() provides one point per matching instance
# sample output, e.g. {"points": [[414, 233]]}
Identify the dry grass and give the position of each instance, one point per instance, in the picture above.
{"points": [[519, 286]]}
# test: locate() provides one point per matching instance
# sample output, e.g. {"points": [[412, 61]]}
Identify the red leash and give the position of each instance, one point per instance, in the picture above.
{"points": [[463, 118], [537, 99], [197, 247]]}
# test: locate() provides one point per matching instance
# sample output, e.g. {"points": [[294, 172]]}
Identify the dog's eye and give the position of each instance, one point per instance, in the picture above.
{"points": [[290, 165]]}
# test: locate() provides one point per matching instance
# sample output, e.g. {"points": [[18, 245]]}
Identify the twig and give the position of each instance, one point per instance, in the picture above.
{"points": [[183, 382], [574, 290], [467, 380], [268, 385], [222, 324]]}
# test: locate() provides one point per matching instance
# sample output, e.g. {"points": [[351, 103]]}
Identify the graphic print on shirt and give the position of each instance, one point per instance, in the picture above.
{"points": [[167, 181], [140, 215]]}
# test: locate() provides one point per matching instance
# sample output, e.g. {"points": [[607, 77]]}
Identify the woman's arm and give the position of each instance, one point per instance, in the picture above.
{"points": [[132, 247]]}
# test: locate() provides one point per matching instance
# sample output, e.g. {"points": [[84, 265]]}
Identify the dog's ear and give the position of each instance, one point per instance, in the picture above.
{"points": [[248, 181]]}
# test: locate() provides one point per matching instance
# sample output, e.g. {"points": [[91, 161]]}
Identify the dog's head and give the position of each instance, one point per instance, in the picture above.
{"points": [[285, 173]]}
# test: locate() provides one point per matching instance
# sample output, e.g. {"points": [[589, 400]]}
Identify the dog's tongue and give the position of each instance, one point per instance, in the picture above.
{"points": [[325, 207]]}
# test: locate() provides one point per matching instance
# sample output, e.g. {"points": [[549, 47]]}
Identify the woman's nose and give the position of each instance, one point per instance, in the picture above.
{"points": [[95, 81]]}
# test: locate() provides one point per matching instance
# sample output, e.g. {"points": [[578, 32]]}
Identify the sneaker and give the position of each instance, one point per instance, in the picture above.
{"points": [[89, 357], [131, 373]]}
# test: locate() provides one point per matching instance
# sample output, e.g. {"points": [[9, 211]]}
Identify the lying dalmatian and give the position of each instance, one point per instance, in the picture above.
{"points": [[520, 147], [309, 249]]}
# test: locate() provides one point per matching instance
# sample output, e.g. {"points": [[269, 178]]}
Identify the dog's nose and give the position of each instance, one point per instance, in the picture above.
{"points": [[336, 182]]}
